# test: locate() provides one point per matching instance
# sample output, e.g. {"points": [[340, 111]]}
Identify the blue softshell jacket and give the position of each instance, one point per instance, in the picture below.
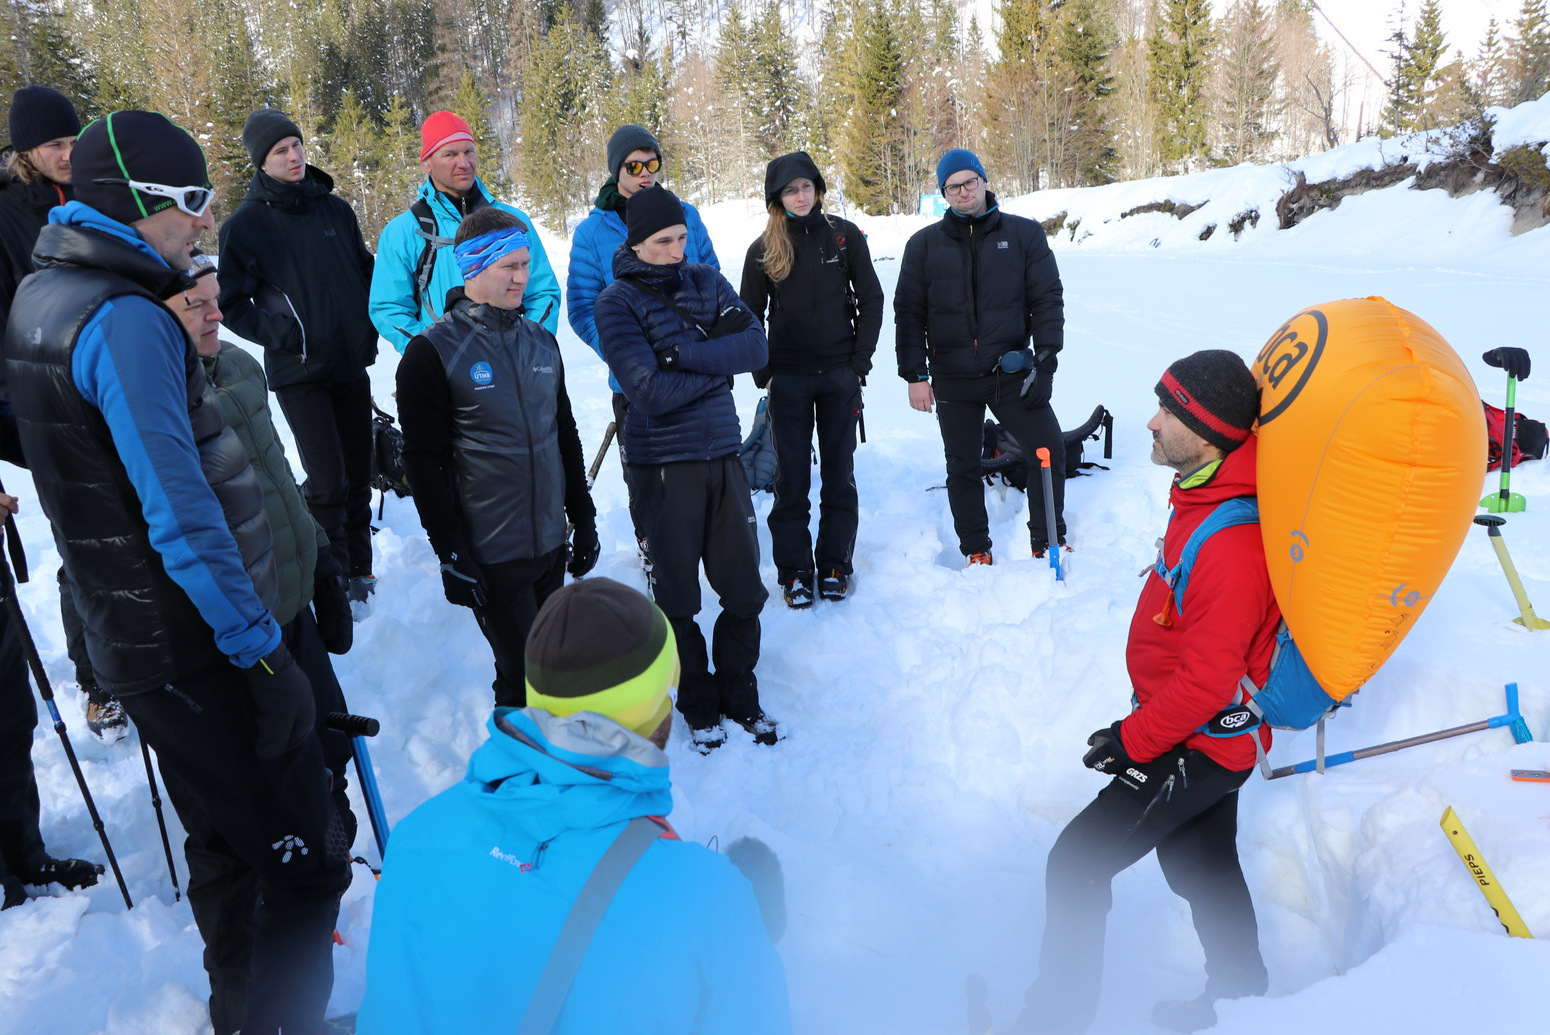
{"points": [[392, 305], [479, 880], [592, 266]]}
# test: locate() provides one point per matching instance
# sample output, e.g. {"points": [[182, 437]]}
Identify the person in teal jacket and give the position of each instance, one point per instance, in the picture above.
{"points": [[479, 881], [634, 162], [452, 190]]}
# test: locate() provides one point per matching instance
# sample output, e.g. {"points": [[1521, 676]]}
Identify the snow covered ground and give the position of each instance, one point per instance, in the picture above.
{"points": [[936, 720]]}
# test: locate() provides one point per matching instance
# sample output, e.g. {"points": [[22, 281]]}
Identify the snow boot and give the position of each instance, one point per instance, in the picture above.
{"points": [[834, 585], [1040, 545], [106, 719], [1185, 1014], [706, 739], [15, 894], [67, 873], [763, 728], [979, 558], [798, 590]]}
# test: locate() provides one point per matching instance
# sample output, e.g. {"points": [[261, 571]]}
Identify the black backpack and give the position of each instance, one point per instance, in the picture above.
{"points": [[1002, 458], [387, 458]]}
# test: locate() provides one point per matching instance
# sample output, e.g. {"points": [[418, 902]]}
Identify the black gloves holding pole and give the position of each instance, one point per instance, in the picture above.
{"points": [[1040, 382], [460, 581], [1513, 360]]}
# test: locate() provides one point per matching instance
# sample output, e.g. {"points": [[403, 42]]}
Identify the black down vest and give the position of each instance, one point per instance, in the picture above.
{"points": [[503, 374], [142, 630]]}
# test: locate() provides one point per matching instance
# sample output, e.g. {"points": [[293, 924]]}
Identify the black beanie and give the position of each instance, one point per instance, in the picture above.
{"points": [[1214, 395], [40, 114], [780, 172], [647, 211], [134, 145], [265, 128], [627, 139]]}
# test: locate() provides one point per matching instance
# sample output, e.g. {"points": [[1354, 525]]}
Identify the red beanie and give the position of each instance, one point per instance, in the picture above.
{"points": [[442, 127]]}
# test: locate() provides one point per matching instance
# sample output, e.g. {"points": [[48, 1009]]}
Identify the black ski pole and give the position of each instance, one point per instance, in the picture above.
{"points": [[861, 413], [45, 690], [161, 821]]}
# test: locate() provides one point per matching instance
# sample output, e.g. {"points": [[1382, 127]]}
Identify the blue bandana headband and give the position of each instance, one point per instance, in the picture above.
{"points": [[476, 254]]}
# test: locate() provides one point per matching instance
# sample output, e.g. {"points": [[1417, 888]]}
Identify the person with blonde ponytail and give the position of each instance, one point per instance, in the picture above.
{"points": [[809, 277]]}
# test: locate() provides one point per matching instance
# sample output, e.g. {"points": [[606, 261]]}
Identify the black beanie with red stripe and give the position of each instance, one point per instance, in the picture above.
{"points": [[1214, 395]]}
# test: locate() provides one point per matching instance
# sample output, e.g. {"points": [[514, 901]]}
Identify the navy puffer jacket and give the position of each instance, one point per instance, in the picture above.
{"points": [[686, 413]]}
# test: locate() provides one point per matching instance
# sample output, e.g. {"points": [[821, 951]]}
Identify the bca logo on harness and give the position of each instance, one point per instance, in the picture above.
{"points": [[481, 374]]}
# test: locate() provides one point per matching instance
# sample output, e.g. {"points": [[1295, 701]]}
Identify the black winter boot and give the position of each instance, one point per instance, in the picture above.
{"points": [[67, 873]]}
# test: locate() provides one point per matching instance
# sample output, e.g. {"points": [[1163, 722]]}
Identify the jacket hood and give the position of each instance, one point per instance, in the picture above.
{"points": [[663, 278], [269, 191], [786, 168], [580, 771], [79, 235], [1235, 476]]}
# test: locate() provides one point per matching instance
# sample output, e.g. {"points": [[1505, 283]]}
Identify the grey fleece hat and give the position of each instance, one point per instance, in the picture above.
{"points": [[627, 139]]}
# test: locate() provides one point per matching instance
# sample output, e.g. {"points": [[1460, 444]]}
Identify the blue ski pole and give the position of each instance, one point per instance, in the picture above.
{"points": [[358, 728]]}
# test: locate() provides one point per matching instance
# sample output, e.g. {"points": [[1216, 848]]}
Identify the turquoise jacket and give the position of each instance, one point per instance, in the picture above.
{"points": [[479, 880], [398, 252], [592, 266]]}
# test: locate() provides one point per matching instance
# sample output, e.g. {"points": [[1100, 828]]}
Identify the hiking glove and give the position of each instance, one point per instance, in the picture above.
{"points": [[461, 581], [331, 607], [1106, 752], [761, 377], [1040, 382], [583, 550], [283, 709], [1513, 360]]}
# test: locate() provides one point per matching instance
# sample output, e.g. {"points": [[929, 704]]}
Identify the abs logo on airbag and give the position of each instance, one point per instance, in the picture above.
{"points": [[481, 374]]}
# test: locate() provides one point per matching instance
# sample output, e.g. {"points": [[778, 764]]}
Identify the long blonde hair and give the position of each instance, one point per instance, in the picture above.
{"points": [[778, 252]]}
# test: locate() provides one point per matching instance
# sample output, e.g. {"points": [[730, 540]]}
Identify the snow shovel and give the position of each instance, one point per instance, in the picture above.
{"points": [[1049, 514], [358, 728], [1527, 618]]}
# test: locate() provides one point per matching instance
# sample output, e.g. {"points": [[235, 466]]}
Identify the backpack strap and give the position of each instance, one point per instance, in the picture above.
{"points": [[586, 914], [1240, 510], [426, 265], [682, 315]]}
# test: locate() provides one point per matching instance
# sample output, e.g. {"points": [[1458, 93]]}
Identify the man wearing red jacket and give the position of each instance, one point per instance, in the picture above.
{"points": [[1174, 786]]}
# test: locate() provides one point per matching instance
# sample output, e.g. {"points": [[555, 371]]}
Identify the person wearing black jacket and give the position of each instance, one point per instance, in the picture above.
{"points": [[295, 278], [813, 274], [980, 318], [491, 447]]}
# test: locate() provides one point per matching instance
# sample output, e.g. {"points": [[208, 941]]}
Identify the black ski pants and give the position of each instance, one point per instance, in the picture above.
{"points": [[21, 844], [332, 424], [1189, 814], [267, 852], [960, 412], [75, 641], [832, 401], [514, 591], [693, 512]]}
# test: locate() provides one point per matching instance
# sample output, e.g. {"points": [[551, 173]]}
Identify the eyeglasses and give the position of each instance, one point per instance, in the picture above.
{"points": [[193, 200], [966, 187], [636, 168]]}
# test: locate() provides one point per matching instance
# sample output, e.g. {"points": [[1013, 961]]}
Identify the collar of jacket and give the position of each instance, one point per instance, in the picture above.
{"points": [[608, 197], [476, 198], [79, 235], [814, 220], [664, 278], [40, 195], [532, 752], [956, 224], [270, 191], [481, 313], [1233, 475]]}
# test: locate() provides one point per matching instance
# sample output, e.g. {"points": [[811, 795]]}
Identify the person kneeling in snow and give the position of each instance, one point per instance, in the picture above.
{"points": [[1174, 787], [480, 881]]}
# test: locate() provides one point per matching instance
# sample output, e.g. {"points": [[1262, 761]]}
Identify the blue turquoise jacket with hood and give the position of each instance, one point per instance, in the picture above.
{"points": [[392, 307], [592, 266], [479, 880]]}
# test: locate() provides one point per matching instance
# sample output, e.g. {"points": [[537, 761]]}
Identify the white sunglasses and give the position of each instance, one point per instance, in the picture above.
{"points": [[193, 200]]}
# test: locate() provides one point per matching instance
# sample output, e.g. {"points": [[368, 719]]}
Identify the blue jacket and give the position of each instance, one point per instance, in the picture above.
{"points": [[686, 413], [398, 252], [592, 266], [479, 880]]}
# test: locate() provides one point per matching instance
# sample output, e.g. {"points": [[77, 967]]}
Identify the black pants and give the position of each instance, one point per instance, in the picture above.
{"points": [[1189, 814], [21, 845], [961, 416], [267, 852], [693, 512], [621, 408], [832, 399], [514, 591], [75, 641], [332, 424], [302, 639]]}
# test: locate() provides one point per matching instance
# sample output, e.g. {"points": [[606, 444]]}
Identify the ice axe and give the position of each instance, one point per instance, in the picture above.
{"points": [[1527, 618], [1516, 362]]}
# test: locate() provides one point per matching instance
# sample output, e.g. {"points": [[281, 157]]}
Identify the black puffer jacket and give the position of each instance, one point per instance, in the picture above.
{"points": [[24, 209], [296, 278], [812, 326], [971, 290]]}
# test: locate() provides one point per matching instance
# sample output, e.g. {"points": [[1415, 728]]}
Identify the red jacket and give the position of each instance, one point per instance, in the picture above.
{"points": [[1186, 671]]}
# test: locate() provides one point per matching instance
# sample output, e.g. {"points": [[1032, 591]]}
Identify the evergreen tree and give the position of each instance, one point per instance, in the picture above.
{"points": [[39, 51], [468, 102], [1247, 74], [1416, 59], [1084, 45], [871, 148], [559, 148], [1179, 49], [1487, 72], [1529, 51]]}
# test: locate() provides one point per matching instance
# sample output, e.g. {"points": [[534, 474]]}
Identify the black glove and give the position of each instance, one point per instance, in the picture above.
{"points": [[462, 581], [667, 359], [734, 319], [282, 703], [1039, 385], [331, 604], [761, 377], [1513, 360], [1106, 752], [583, 550]]}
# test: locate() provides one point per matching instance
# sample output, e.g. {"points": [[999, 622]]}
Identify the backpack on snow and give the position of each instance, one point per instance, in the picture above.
{"points": [[387, 458], [758, 451], [1002, 457], [1530, 438]]}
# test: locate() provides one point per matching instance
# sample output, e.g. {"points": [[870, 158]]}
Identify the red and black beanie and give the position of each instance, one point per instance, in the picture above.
{"points": [[1214, 395]]}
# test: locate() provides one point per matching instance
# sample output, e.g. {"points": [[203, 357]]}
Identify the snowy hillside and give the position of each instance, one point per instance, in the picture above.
{"points": [[937, 719]]}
